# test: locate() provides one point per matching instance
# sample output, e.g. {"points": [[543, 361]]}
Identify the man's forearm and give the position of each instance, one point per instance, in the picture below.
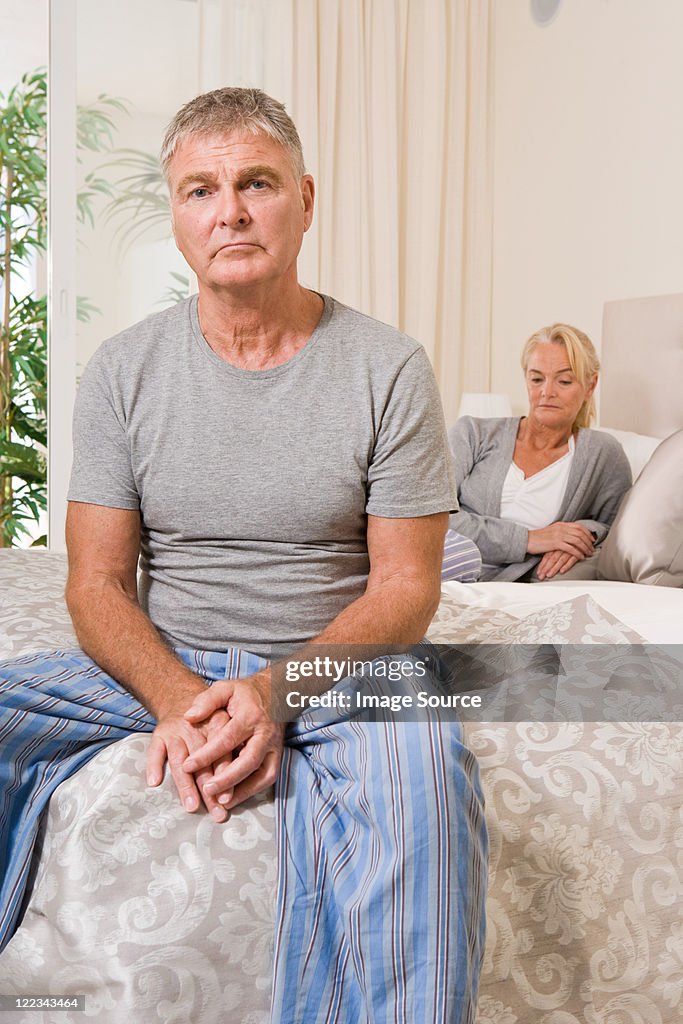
{"points": [[393, 614], [396, 611], [115, 632]]}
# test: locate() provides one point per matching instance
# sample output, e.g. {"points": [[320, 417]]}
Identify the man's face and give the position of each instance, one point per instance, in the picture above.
{"points": [[239, 212]]}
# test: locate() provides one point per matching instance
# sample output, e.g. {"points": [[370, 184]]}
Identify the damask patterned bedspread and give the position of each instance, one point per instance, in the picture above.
{"points": [[156, 915]]}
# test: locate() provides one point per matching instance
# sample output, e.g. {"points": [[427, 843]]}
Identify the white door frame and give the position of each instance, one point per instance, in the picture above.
{"points": [[61, 304]]}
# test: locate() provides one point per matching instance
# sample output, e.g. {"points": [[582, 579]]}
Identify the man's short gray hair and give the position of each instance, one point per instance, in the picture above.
{"points": [[233, 110]]}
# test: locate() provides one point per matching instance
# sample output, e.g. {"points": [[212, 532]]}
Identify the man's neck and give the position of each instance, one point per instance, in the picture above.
{"points": [[258, 330]]}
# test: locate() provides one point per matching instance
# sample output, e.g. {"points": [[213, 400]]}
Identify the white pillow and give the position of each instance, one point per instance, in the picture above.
{"points": [[638, 447], [645, 541]]}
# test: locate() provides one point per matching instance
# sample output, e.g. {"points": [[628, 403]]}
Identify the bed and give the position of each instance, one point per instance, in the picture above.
{"points": [[156, 915]]}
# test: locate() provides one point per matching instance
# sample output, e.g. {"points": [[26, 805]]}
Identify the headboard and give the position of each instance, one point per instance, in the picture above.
{"points": [[641, 384]]}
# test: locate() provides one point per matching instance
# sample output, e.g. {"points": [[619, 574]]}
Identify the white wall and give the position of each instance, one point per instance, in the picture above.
{"points": [[23, 40], [588, 166]]}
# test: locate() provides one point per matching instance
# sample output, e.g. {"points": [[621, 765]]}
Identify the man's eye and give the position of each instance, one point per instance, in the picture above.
{"points": [[200, 192], [258, 185]]}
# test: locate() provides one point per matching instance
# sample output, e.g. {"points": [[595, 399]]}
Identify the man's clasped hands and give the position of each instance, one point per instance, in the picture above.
{"points": [[222, 748]]}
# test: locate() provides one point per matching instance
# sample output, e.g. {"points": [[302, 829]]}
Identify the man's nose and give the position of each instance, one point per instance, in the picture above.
{"points": [[233, 208]]}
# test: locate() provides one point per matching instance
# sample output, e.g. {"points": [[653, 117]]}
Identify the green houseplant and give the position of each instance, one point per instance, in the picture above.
{"points": [[23, 328]]}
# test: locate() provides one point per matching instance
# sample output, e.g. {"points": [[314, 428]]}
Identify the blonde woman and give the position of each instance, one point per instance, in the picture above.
{"points": [[538, 493]]}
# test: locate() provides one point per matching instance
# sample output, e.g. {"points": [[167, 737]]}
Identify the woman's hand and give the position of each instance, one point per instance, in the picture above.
{"points": [[554, 562], [572, 538]]}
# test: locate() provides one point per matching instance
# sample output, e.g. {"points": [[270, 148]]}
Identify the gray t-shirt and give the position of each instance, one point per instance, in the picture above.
{"points": [[254, 485]]}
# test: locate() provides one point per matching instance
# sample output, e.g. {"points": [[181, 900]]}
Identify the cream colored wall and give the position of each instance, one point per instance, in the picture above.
{"points": [[588, 166], [23, 40]]}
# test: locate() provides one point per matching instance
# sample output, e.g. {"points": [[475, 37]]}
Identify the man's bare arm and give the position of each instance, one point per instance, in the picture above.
{"points": [[399, 602], [101, 594], [404, 584]]}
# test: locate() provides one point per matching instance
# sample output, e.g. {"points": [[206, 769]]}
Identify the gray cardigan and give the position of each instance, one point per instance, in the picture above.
{"points": [[482, 451]]}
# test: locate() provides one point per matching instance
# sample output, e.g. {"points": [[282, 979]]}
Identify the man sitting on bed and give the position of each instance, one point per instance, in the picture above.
{"points": [[278, 463]]}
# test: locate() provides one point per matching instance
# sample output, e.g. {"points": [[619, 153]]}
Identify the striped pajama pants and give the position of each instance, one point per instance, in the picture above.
{"points": [[381, 839]]}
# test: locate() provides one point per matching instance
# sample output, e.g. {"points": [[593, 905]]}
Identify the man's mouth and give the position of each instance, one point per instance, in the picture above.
{"points": [[236, 247]]}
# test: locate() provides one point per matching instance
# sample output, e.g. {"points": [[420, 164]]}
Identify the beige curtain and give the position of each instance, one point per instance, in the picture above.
{"points": [[393, 102]]}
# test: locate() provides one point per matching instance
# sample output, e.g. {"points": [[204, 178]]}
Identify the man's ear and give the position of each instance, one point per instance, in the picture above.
{"points": [[307, 199]]}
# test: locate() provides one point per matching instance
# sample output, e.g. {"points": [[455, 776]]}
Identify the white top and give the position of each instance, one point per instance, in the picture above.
{"points": [[535, 502]]}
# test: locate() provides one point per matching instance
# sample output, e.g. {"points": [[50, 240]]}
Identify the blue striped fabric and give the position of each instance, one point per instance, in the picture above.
{"points": [[461, 559], [382, 854], [381, 839]]}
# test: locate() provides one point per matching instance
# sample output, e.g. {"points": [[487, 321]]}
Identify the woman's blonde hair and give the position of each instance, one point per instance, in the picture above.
{"points": [[582, 358]]}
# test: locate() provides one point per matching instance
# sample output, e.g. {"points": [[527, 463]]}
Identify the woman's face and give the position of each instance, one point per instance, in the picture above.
{"points": [[555, 394]]}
